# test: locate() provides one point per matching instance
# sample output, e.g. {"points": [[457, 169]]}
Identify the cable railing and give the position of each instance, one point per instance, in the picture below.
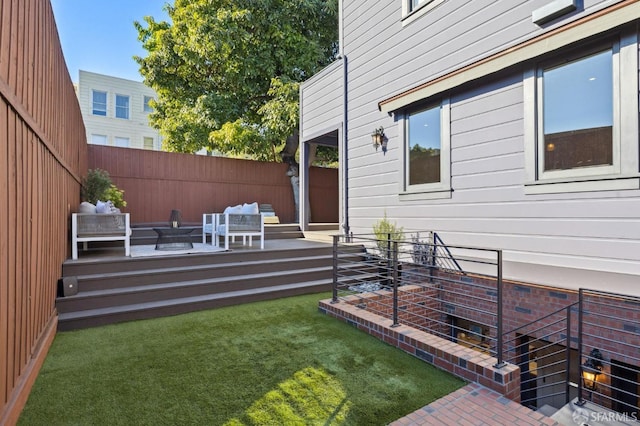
{"points": [[450, 291], [609, 347], [542, 349], [584, 352]]}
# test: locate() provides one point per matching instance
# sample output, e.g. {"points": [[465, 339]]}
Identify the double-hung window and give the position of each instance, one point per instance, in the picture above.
{"points": [[99, 102], [146, 104], [147, 142], [122, 106], [581, 120], [427, 169]]}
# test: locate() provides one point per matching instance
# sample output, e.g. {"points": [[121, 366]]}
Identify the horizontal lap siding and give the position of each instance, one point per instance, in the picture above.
{"points": [[488, 207], [321, 102], [155, 183], [42, 154]]}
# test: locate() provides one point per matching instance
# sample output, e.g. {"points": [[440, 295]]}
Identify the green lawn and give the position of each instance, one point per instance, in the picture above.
{"points": [[269, 363]]}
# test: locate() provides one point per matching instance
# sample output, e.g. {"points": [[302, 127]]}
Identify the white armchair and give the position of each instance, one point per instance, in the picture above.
{"points": [[240, 221], [87, 227]]}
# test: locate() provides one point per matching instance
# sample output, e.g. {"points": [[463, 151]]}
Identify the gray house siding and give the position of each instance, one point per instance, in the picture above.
{"points": [[570, 240], [321, 102]]}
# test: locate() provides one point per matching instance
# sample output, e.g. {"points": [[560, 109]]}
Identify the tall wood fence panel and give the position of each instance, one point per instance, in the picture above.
{"points": [[155, 183], [42, 157]]}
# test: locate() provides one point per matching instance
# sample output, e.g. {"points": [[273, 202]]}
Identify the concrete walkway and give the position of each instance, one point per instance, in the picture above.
{"points": [[474, 405]]}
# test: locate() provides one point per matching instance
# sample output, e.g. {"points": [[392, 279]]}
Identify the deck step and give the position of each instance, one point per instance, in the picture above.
{"points": [[122, 279], [120, 289], [115, 314], [86, 300]]}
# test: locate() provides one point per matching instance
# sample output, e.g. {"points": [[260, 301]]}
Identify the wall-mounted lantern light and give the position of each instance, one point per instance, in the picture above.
{"points": [[379, 139], [591, 369]]}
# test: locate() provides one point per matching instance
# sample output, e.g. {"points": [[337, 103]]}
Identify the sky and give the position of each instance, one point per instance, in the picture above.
{"points": [[99, 36]]}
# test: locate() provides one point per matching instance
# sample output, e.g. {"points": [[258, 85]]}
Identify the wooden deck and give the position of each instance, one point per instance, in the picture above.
{"points": [[114, 288]]}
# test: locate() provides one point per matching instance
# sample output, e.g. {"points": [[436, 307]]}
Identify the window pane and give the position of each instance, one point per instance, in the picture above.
{"points": [[122, 106], [424, 146], [578, 113], [121, 142], [147, 142], [416, 3], [147, 107], [99, 139], [99, 106]]}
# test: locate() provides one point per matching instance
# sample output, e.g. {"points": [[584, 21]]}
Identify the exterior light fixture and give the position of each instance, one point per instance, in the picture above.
{"points": [[379, 139], [591, 369]]}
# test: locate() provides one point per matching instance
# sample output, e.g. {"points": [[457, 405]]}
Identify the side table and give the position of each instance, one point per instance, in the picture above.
{"points": [[174, 238]]}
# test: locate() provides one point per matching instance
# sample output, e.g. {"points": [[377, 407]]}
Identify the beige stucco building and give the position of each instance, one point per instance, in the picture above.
{"points": [[115, 111]]}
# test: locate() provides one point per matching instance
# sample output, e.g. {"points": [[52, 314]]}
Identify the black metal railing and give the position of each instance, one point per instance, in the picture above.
{"points": [[543, 351], [587, 351], [450, 291], [609, 351]]}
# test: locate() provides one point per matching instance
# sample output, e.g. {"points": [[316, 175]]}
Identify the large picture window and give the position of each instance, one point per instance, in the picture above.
{"points": [[427, 147], [577, 113], [581, 119]]}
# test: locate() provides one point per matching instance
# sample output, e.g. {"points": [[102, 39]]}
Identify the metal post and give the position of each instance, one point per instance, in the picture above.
{"points": [[387, 271], [500, 343], [335, 269], [581, 401], [432, 254], [568, 358], [395, 284]]}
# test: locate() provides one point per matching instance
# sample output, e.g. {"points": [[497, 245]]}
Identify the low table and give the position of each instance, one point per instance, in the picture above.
{"points": [[174, 238]]}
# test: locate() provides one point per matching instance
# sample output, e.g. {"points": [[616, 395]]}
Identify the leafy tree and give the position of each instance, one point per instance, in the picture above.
{"points": [[227, 73]]}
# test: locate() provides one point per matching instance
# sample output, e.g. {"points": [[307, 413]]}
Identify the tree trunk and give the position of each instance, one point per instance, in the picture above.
{"points": [[288, 155]]}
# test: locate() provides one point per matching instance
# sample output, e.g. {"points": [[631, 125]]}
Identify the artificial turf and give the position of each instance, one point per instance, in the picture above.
{"points": [[268, 363]]}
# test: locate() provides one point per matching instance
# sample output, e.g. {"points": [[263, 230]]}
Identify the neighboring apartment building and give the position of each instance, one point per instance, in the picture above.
{"points": [[116, 110], [510, 125]]}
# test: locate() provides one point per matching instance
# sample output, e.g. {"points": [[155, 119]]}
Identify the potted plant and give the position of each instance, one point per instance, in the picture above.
{"points": [[386, 233], [97, 186]]}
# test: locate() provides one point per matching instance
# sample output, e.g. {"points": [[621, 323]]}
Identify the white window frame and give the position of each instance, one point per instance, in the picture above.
{"points": [[623, 174], [103, 138], [153, 142], [93, 103], [145, 103], [128, 106], [410, 14], [122, 142], [435, 190]]}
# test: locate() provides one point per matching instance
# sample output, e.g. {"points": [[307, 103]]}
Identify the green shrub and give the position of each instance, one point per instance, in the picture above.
{"points": [[116, 196], [384, 228], [97, 185]]}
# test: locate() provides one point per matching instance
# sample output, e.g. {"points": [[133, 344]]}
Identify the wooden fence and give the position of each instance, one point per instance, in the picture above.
{"points": [[155, 183], [42, 157]]}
